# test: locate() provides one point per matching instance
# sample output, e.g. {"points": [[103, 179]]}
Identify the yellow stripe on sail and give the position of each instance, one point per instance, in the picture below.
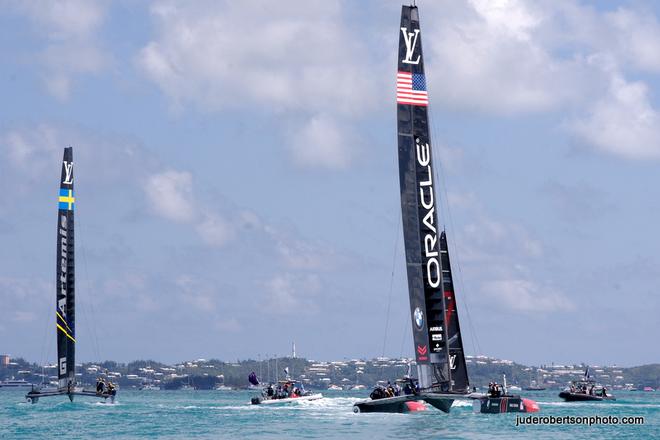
{"points": [[65, 332], [63, 320]]}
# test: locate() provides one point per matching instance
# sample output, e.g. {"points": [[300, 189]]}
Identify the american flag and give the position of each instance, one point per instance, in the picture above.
{"points": [[411, 89]]}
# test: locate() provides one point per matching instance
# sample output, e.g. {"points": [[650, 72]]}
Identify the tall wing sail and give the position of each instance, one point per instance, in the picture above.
{"points": [[428, 303], [65, 278]]}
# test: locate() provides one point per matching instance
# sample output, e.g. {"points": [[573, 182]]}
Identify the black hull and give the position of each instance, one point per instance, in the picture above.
{"points": [[581, 397], [386, 405], [34, 395], [441, 402], [399, 404]]}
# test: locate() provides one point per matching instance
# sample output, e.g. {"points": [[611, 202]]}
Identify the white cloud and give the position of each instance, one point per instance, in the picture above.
{"points": [[65, 61], [69, 28], [232, 54], [292, 294], [488, 56], [623, 122], [64, 19], [636, 36], [514, 56], [526, 296], [298, 254], [31, 151], [502, 57], [214, 230], [170, 195], [297, 60], [488, 239], [322, 142]]}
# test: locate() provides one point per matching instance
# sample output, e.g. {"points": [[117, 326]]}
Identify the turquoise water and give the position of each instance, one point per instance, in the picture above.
{"points": [[227, 414]]}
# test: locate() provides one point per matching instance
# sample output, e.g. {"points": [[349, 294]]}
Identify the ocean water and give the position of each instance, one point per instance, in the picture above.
{"points": [[228, 414]]}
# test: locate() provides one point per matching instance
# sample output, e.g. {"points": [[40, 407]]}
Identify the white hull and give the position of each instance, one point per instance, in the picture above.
{"points": [[290, 399]]}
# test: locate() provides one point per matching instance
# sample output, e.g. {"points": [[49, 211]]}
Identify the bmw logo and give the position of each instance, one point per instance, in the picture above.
{"points": [[419, 318]]}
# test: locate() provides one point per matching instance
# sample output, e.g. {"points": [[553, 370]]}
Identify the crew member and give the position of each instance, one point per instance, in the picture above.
{"points": [[100, 386]]}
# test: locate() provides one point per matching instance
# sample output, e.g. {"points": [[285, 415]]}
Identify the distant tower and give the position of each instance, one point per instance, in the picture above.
{"points": [[293, 350]]}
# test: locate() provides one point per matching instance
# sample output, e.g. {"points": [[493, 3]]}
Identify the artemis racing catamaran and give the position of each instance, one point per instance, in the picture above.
{"points": [[442, 374], [65, 296]]}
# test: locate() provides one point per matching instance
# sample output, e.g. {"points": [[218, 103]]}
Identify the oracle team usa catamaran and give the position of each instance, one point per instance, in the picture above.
{"points": [[442, 374], [65, 310]]}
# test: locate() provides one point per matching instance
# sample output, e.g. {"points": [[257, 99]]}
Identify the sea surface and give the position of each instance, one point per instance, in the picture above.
{"points": [[228, 414]]}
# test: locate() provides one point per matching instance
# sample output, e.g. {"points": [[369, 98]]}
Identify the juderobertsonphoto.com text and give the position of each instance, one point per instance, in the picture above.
{"points": [[578, 420]]}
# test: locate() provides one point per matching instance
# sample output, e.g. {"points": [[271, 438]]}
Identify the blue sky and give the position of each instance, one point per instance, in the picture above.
{"points": [[237, 185]]}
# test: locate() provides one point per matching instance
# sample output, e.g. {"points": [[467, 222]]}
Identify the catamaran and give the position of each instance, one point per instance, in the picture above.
{"points": [[442, 374], [65, 299]]}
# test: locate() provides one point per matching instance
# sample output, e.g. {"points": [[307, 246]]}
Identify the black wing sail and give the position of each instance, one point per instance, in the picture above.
{"points": [[459, 375], [420, 221], [65, 278]]}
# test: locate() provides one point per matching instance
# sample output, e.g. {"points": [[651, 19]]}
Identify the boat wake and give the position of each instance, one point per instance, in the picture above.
{"points": [[115, 403], [461, 403], [595, 404]]}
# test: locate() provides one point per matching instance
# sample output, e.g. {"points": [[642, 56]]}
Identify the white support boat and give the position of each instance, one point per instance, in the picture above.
{"points": [[287, 391], [285, 400], [15, 383]]}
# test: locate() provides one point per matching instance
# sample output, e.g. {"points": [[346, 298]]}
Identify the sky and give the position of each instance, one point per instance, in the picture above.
{"points": [[237, 181]]}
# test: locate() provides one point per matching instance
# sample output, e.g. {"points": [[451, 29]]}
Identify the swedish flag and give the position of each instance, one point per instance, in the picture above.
{"points": [[67, 201]]}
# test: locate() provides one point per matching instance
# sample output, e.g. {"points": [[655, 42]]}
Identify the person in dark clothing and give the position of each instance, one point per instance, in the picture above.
{"points": [[100, 386]]}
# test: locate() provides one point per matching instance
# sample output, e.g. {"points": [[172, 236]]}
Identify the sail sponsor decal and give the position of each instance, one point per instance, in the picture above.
{"points": [[418, 316], [422, 351], [426, 192], [410, 40], [411, 89], [449, 302], [68, 173], [66, 199], [64, 260], [68, 332]]}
